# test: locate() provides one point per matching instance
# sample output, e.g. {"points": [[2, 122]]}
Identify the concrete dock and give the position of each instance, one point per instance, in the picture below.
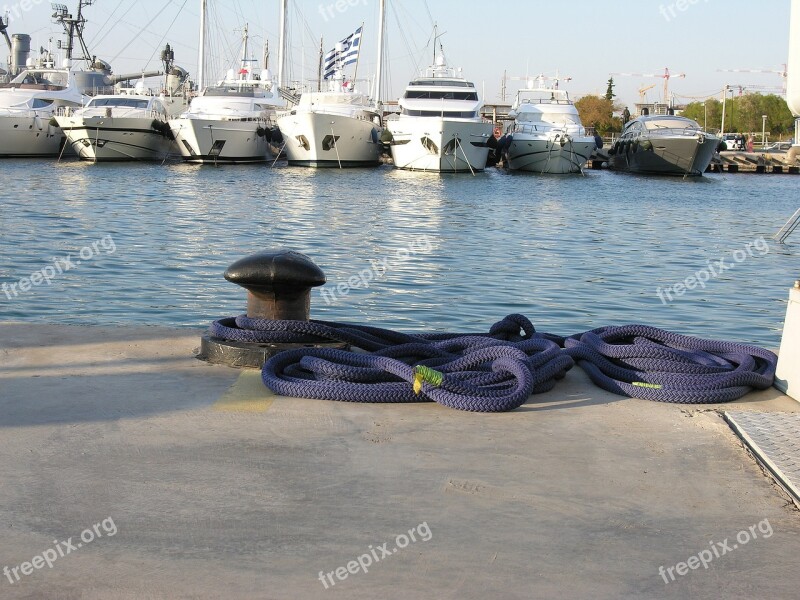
{"points": [[213, 488]]}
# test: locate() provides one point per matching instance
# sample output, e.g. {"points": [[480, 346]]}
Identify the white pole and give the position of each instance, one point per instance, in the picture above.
{"points": [[379, 66], [724, 100], [282, 43], [201, 58]]}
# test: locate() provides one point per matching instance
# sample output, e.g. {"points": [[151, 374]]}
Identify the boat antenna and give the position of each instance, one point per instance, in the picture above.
{"points": [[73, 27], [3, 28], [168, 58]]}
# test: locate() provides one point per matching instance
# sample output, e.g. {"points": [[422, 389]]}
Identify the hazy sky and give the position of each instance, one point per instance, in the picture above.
{"points": [[580, 39]]}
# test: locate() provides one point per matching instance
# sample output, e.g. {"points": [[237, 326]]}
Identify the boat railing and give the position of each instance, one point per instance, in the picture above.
{"points": [[663, 131], [547, 128], [562, 102], [684, 131]]}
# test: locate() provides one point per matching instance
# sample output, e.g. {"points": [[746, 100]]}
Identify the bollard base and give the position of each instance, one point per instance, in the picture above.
{"points": [[242, 354]]}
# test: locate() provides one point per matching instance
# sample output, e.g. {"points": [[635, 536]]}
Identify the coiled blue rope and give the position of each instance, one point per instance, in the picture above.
{"points": [[653, 364], [498, 371]]}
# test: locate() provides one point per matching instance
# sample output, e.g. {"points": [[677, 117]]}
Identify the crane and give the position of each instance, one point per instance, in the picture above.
{"points": [[643, 93], [783, 73], [666, 76]]}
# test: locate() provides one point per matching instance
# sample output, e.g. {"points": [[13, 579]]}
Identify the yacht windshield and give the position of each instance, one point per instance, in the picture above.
{"points": [[672, 124], [442, 83], [121, 102], [434, 95], [450, 114]]}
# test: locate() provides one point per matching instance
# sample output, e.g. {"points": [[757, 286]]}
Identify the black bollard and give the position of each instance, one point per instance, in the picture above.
{"points": [[278, 284]]}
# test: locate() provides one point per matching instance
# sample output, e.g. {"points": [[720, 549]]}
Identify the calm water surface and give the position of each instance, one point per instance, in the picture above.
{"points": [[452, 252]]}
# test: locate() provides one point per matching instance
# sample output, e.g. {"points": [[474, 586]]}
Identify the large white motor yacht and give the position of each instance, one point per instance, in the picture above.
{"points": [[336, 128], [440, 126], [119, 127], [332, 129], [547, 135], [27, 105], [230, 122]]}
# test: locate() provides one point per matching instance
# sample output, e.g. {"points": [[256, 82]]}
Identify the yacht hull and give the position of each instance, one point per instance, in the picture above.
{"points": [[545, 154], [219, 142], [680, 155], [29, 136], [441, 145], [104, 139], [317, 139]]}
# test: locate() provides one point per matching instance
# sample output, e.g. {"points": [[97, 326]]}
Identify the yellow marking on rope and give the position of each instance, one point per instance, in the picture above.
{"points": [[247, 394], [424, 374], [653, 386]]}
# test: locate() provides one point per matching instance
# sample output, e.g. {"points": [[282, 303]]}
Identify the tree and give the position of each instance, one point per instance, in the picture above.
{"points": [[709, 117], [610, 95], [598, 112], [744, 114]]}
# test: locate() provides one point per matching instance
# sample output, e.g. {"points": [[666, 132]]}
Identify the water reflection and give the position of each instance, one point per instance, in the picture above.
{"points": [[572, 253]]}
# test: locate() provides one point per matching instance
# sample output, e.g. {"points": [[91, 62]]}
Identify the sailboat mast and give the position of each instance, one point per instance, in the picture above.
{"points": [[244, 53], [201, 58], [319, 69], [379, 63], [282, 43], [358, 58]]}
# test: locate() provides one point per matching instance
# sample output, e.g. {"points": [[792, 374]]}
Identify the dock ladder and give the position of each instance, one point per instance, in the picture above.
{"points": [[788, 228]]}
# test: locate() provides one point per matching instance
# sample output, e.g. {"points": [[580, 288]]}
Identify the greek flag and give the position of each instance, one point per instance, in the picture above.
{"points": [[349, 54]]}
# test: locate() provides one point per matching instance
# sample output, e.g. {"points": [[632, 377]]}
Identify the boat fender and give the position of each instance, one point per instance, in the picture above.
{"points": [[374, 136], [277, 136], [635, 146], [646, 145], [52, 122], [261, 132], [722, 146]]}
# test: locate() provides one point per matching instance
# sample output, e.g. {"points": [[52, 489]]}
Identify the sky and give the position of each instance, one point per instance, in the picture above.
{"points": [[582, 40]]}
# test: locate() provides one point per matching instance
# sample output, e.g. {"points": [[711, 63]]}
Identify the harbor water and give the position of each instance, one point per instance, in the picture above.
{"points": [[147, 244]]}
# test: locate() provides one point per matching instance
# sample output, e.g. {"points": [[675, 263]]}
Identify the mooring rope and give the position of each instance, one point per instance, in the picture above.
{"points": [[498, 371], [653, 364]]}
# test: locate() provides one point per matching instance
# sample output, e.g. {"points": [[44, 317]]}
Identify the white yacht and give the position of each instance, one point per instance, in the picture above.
{"points": [[332, 129], [230, 122], [440, 126], [336, 128], [547, 135], [119, 127], [27, 105], [40, 91]]}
